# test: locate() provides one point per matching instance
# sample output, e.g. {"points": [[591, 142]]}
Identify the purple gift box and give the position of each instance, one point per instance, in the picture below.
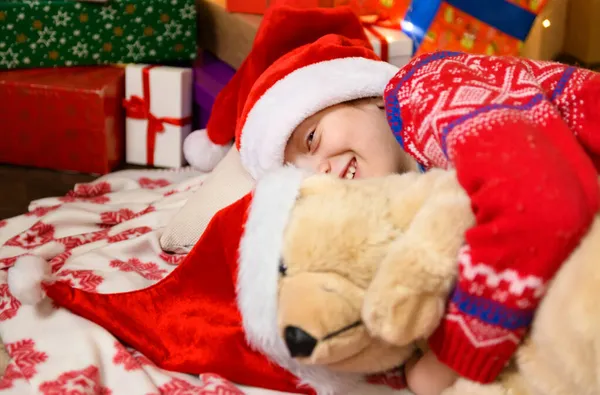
{"points": [[210, 76]]}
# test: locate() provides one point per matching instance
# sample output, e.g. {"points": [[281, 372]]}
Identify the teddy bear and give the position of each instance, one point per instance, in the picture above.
{"points": [[364, 268]]}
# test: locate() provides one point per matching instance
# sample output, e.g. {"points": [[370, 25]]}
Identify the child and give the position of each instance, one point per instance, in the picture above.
{"points": [[519, 133], [515, 150]]}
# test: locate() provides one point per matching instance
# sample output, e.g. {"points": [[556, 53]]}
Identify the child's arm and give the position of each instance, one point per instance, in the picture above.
{"points": [[533, 191], [576, 94]]}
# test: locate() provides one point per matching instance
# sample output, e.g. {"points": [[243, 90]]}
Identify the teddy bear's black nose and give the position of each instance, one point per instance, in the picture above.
{"points": [[300, 343]]}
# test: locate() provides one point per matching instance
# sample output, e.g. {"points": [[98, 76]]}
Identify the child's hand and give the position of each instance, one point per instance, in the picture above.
{"points": [[428, 376]]}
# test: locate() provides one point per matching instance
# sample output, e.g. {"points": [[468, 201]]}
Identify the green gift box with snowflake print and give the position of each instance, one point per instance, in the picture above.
{"points": [[50, 33]]}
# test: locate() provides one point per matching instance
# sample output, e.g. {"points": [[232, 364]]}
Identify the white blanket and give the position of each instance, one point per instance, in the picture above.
{"points": [[103, 237]]}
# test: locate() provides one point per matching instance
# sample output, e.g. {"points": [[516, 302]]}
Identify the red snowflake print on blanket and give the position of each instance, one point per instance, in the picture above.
{"points": [[211, 385], [39, 234], [25, 356], [85, 280], [129, 234], [172, 259], [3, 223], [141, 358], [96, 200], [59, 261], [7, 262], [111, 218], [123, 357], [116, 217], [129, 358], [71, 242], [149, 209], [11, 374], [217, 385], [9, 305], [148, 270], [93, 193], [41, 211], [24, 361], [148, 183], [76, 382], [89, 190]]}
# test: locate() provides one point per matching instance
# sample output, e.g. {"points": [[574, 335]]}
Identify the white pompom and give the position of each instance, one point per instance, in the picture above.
{"points": [[201, 153], [25, 278]]}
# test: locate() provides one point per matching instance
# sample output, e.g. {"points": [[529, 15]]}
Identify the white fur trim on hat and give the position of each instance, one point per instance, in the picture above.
{"points": [[300, 94], [201, 153], [25, 278], [258, 277]]}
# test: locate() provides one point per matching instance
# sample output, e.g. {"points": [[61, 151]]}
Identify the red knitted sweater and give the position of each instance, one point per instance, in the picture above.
{"points": [[520, 135]]}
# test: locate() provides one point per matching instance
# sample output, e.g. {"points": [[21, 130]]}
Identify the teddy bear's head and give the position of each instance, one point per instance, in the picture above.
{"points": [[338, 233], [311, 247]]}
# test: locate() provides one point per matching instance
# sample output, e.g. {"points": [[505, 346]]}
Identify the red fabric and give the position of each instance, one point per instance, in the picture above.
{"points": [[139, 108], [514, 132], [189, 321], [276, 38], [58, 118], [328, 47]]}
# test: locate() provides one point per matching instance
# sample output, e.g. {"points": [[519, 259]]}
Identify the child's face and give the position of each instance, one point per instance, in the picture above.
{"points": [[348, 140]]}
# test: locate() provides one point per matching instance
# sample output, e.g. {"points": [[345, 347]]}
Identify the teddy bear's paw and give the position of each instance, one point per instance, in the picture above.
{"points": [[400, 315], [467, 387]]}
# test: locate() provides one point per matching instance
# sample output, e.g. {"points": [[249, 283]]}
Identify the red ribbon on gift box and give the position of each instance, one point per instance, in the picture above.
{"points": [[139, 108], [380, 21]]}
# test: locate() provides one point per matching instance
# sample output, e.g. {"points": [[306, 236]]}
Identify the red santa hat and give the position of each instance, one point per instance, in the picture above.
{"points": [[302, 61], [217, 311]]}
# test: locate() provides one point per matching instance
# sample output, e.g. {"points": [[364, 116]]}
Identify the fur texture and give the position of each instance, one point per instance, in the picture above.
{"points": [[331, 260], [383, 252]]}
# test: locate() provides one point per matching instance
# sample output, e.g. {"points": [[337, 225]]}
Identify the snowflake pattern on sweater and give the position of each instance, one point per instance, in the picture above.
{"points": [[514, 130]]}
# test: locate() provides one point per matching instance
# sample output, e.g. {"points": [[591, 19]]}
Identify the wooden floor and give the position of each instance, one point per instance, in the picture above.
{"points": [[21, 185]]}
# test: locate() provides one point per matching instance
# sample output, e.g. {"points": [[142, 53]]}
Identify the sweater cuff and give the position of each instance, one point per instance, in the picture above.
{"points": [[473, 360]]}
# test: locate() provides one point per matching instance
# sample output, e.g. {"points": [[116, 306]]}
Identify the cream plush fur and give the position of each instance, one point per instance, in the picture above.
{"points": [[373, 261]]}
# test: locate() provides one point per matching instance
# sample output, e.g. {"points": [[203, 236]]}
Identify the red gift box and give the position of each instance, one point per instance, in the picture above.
{"points": [[260, 6], [386, 9], [64, 119]]}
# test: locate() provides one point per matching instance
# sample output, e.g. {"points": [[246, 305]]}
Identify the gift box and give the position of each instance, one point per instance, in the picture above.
{"points": [[210, 76], [392, 45], [63, 118], [236, 32], [260, 6], [158, 107], [231, 34], [386, 8], [493, 27], [49, 33]]}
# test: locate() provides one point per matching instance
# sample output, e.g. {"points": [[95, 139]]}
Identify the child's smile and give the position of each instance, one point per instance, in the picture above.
{"points": [[350, 171]]}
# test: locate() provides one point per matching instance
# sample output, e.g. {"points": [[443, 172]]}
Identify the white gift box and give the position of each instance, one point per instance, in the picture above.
{"points": [[400, 46], [166, 114]]}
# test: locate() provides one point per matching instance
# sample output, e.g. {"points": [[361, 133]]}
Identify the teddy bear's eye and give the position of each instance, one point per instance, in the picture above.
{"points": [[282, 268]]}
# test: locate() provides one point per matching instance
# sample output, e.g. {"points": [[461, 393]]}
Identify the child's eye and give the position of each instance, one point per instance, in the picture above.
{"points": [[282, 268], [310, 138]]}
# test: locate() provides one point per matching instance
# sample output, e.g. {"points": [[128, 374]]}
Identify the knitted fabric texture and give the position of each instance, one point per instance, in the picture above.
{"points": [[523, 138]]}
